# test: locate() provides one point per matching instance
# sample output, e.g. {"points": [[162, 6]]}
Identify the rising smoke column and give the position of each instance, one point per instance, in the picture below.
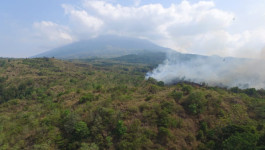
{"points": [[212, 70]]}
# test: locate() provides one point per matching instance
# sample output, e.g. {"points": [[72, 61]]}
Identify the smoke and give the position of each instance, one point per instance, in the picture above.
{"points": [[211, 70]]}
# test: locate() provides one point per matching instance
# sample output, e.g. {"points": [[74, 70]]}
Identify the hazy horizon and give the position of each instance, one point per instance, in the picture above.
{"points": [[212, 27]]}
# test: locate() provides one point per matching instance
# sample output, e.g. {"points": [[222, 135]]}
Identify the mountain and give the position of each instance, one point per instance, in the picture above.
{"points": [[151, 58], [107, 46]]}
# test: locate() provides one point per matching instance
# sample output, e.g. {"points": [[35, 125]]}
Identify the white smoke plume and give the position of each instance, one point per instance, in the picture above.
{"points": [[211, 70]]}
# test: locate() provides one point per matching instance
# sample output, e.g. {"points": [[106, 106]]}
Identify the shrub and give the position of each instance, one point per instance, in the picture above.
{"points": [[261, 141], [148, 98], [200, 135], [151, 80], [153, 89], [92, 146], [73, 128], [87, 98], [97, 87], [250, 92], [161, 83], [189, 139], [186, 89], [150, 117], [2, 63], [167, 106], [120, 129], [195, 103], [233, 137], [143, 107], [240, 141], [81, 130], [163, 119], [175, 123], [134, 138], [163, 134], [203, 126], [176, 95], [235, 90]]}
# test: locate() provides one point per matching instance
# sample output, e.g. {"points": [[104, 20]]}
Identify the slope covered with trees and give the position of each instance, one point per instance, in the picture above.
{"points": [[105, 104]]}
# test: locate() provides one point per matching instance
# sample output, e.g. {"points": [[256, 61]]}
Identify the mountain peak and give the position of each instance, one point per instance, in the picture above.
{"points": [[103, 46]]}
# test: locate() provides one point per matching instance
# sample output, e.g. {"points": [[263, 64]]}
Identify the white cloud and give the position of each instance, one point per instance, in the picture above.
{"points": [[199, 27], [174, 24], [156, 19], [82, 22], [52, 31], [137, 2], [47, 35]]}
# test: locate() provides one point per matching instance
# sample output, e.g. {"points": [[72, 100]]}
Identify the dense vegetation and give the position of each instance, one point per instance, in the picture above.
{"points": [[104, 104]]}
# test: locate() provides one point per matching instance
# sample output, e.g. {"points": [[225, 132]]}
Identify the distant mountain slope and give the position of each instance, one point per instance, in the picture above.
{"points": [[152, 58], [104, 46]]}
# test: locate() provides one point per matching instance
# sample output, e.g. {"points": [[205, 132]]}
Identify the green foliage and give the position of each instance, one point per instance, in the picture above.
{"points": [[176, 95], [204, 126], [103, 104], [81, 130], [161, 83], [92, 146], [2, 63], [148, 98], [120, 129], [234, 137], [163, 119], [68, 121], [153, 89], [163, 135], [195, 103], [97, 87], [89, 97], [261, 141], [151, 80], [135, 137], [189, 139], [153, 58], [167, 106], [250, 92], [235, 90], [175, 123], [240, 141], [200, 135], [186, 89]]}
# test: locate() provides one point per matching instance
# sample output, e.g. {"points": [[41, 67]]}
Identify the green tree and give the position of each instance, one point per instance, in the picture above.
{"points": [[176, 95], [195, 104], [120, 129], [87, 98], [241, 141], [92, 146], [186, 89], [81, 130], [163, 135]]}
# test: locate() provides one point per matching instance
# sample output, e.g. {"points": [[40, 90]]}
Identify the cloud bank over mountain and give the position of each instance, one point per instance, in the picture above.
{"points": [[213, 27], [199, 27]]}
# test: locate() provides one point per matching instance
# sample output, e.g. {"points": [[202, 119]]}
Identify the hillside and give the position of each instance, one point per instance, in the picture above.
{"points": [[107, 46], [51, 104]]}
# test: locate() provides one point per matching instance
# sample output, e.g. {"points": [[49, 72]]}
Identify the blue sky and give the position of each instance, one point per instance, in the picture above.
{"points": [[212, 27]]}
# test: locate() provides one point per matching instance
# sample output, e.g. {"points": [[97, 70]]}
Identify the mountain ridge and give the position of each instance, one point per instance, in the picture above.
{"points": [[107, 46]]}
